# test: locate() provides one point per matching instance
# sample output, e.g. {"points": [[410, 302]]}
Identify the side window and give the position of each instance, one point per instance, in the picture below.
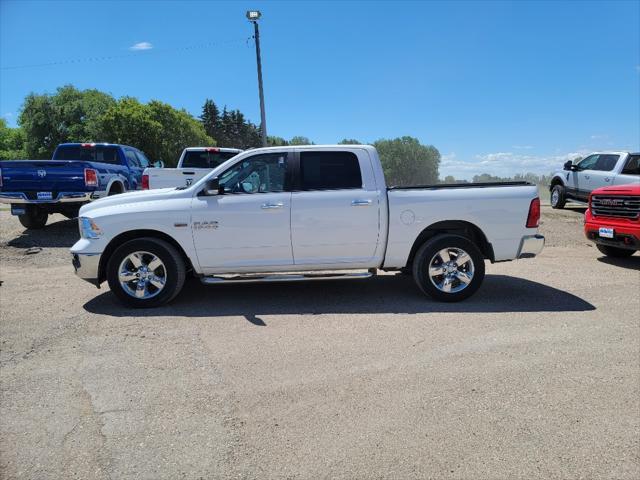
{"points": [[142, 159], [132, 159], [606, 163], [632, 167], [329, 171], [588, 163], [258, 174]]}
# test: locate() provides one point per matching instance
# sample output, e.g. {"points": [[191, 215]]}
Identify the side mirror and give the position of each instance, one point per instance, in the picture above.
{"points": [[158, 164], [212, 187], [568, 165]]}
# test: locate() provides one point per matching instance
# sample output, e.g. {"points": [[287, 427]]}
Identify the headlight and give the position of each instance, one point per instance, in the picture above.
{"points": [[88, 228]]}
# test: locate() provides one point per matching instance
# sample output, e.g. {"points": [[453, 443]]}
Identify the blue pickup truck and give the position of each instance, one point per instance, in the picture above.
{"points": [[77, 174]]}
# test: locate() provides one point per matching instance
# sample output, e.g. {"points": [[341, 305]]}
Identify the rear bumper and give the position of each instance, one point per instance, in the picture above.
{"points": [[530, 246], [86, 266], [62, 197]]}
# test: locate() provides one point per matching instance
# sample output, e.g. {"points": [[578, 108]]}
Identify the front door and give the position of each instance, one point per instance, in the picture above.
{"points": [[335, 210], [602, 173], [247, 227]]}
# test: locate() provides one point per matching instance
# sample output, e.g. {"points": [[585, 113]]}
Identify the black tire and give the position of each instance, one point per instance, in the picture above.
{"points": [[428, 251], [173, 266], [34, 219], [615, 251], [115, 189], [558, 197]]}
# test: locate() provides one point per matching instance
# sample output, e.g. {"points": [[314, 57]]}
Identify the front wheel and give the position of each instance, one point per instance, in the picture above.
{"points": [[34, 219], [448, 268], [146, 272], [615, 251], [558, 197]]}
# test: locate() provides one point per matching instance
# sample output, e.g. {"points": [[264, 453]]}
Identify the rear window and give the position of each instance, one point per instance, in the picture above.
{"points": [[205, 159], [632, 166], [329, 171], [97, 153]]}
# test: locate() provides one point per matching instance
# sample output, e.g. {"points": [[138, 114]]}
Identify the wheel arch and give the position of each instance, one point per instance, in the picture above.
{"points": [[454, 227], [115, 183], [556, 180], [124, 237]]}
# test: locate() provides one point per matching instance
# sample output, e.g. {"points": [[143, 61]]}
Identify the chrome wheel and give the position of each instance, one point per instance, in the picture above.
{"points": [[142, 275], [451, 270], [555, 196]]}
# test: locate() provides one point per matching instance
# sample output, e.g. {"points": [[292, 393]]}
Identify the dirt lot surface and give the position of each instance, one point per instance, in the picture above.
{"points": [[536, 376]]}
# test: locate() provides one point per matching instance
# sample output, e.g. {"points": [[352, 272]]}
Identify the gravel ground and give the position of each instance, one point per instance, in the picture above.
{"points": [[536, 376]]}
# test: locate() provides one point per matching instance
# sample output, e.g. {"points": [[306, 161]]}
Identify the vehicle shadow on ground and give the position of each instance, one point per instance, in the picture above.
{"points": [[632, 263], [63, 233], [383, 294]]}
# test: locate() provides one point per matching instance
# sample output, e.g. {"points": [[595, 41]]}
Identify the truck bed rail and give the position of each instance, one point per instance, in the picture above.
{"points": [[463, 185]]}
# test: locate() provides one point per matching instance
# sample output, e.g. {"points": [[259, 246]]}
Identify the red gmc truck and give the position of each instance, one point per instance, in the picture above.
{"points": [[612, 220]]}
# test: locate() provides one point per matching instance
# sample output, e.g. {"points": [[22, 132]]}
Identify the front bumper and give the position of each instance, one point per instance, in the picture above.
{"points": [[530, 246], [86, 266], [62, 197]]}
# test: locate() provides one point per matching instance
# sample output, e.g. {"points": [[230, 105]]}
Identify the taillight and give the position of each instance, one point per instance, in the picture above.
{"points": [[90, 177], [211, 149], [0, 177], [533, 219], [145, 182]]}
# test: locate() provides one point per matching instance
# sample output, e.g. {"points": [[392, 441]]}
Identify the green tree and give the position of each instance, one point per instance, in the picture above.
{"points": [[12, 142], [276, 141], [449, 179], [210, 119], [69, 115], [349, 141], [406, 161], [299, 140]]}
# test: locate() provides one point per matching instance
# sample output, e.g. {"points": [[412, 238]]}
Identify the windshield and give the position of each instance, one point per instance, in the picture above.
{"points": [[205, 159]]}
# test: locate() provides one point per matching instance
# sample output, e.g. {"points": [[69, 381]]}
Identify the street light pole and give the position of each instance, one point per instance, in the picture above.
{"points": [[253, 16]]}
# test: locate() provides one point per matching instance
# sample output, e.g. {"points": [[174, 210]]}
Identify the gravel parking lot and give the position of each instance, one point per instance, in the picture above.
{"points": [[536, 376]]}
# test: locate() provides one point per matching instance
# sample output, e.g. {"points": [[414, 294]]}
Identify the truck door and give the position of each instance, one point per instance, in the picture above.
{"points": [[582, 176], [602, 172], [249, 225], [135, 169], [630, 173], [335, 208]]}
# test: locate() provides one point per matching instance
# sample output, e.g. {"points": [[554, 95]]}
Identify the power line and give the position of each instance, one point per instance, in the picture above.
{"points": [[152, 51]]}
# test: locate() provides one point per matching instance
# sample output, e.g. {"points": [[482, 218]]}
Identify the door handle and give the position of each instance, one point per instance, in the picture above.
{"points": [[271, 206], [606, 179], [360, 203]]}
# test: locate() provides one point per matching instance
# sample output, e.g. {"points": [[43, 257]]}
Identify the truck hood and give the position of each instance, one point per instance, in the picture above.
{"points": [[130, 198], [632, 189]]}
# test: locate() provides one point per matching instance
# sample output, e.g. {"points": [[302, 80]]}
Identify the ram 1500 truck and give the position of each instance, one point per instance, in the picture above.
{"points": [[194, 163], [77, 174], [597, 170], [303, 213], [612, 220]]}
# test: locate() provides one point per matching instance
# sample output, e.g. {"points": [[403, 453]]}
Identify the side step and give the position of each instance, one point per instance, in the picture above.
{"points": [[284, 277]]}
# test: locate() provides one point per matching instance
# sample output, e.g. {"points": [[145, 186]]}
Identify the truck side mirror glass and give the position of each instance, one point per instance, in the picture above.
{"points": [[158, 164], [212, 187], [568, 164]]}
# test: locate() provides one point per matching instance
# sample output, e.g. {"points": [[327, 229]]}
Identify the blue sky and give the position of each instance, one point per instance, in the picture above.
{"points": [[497, 87]]}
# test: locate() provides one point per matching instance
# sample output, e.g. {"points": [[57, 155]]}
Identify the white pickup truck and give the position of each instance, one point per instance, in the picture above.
{"points": [[303, 213], [601, 169], [194, 163]]}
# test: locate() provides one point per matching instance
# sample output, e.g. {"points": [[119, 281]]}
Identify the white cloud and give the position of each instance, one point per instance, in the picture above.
{"points": [[504, 164], [599, 137], [141, 46]]}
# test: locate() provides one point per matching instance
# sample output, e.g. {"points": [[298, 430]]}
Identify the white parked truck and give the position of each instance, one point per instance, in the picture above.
{"points": [[303, 213], [194, 163], [602, 169]]}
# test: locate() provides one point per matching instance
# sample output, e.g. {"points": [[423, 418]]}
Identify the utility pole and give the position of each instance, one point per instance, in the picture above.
{"points": [[253, 16]]}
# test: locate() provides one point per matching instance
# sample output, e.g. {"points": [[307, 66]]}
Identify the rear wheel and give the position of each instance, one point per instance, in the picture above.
{"points": [[558, 197], [448, 268], [35, 218], [615, 251], [146, 272]]}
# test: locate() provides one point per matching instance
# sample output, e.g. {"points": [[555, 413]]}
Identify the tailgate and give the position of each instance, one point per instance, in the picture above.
{"points": [[175, 177], [42, 176]]}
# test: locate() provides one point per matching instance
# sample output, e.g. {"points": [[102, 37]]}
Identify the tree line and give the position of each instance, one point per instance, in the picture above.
{"points": [[162, 132]]}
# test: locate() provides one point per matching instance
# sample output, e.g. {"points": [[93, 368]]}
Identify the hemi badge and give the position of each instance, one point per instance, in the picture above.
{"points": [[179, 224]]}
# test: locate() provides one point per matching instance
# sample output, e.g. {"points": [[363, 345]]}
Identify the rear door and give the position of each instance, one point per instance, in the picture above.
{"points": [[135, 167], [335, 207], [630, 173]]}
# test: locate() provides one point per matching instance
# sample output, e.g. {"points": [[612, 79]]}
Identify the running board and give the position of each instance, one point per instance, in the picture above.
{"points": [[283, 277]]}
